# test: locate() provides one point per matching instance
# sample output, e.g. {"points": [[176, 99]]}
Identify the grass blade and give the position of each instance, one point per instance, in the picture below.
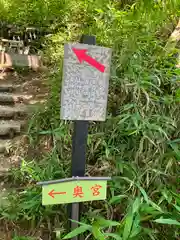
{"points": [[167, 221], [77, 231]]}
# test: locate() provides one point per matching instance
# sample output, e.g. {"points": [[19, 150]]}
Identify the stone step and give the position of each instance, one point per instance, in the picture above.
{"points": [[10, 99], [9, 86], [6, 88], [10, 128], [18, 110], [21, 60]]}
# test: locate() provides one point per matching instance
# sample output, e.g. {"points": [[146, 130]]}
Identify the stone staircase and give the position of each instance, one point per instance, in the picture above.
{"points": [[19, 97], [19, 94]]}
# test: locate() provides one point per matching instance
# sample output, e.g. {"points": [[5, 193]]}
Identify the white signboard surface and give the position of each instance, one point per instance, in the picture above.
{"points": [[85, 82]]}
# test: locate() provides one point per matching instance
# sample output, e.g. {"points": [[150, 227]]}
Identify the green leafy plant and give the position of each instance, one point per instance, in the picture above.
{"points": [[138, 144]]}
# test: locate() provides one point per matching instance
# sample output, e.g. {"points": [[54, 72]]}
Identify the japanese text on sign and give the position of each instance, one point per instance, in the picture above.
{"points": [[75, 191]]}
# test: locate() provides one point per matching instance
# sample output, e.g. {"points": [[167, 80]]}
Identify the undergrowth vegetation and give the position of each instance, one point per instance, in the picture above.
{"points": [[138, 145]]}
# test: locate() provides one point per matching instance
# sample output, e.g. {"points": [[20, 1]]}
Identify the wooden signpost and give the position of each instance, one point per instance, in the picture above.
{"points": [[83, 99]]}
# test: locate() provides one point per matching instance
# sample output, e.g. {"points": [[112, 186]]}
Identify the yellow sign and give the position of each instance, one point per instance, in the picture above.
{"points": [[74, 191]]}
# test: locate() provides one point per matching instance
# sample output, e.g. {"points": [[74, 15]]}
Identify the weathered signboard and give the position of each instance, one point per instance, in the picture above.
{"points": [[85, 82]]}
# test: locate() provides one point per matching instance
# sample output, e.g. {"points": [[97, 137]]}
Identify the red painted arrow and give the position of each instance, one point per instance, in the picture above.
{"points": [[82, 56], [52, 193]]}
